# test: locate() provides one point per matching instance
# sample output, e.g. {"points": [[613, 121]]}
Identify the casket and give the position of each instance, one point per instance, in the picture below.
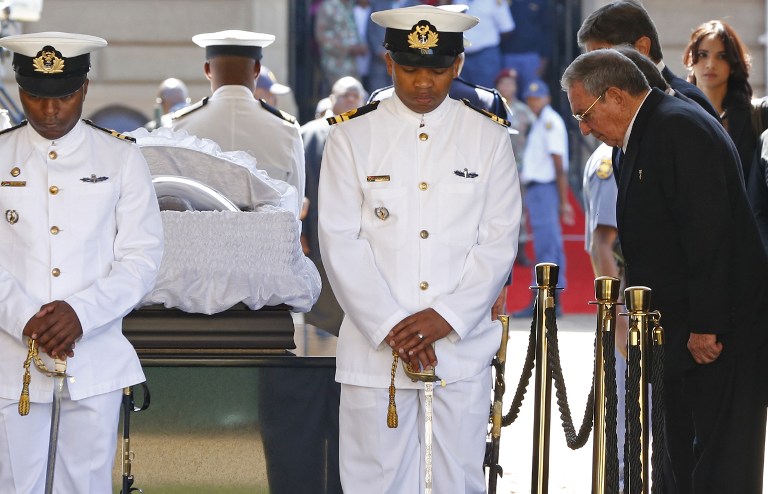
{"points": [[232, 268]]}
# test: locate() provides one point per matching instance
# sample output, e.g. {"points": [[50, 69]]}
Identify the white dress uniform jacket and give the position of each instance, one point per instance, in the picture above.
{"points": [[417, 211], [81, 225], [237, 121]]}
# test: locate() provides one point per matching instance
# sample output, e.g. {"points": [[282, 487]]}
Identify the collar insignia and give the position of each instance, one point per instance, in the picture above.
{"points": [[93, 179], [423, 38], [466, 173], [48, 62]]}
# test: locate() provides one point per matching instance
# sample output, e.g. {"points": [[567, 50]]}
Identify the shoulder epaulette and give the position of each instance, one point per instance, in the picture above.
{"points": [[353, 113], [113, 133], [189, 109], [377, 92], [277, 112], [18, 126], [488, 114]]}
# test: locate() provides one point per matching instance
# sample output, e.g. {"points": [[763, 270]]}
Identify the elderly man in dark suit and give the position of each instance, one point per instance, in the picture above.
{"points": [[687, 233]]}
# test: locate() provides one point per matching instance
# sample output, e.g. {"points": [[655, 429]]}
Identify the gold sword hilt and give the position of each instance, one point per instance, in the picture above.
{"points": [[33, 355]]}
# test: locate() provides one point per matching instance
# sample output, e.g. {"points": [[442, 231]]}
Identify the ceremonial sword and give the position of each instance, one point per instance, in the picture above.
{"points": [[428, 377], [58, 375]]}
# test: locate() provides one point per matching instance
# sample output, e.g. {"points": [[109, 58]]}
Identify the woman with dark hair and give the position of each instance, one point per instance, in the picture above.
{"points": [[719, 65]]}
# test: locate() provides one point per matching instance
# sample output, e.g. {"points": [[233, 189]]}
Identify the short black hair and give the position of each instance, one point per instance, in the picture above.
{"points": [[621, 22]]}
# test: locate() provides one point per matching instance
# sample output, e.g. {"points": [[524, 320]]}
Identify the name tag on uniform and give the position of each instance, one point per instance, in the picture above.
{"points": [[13, 183], [377, 178]]}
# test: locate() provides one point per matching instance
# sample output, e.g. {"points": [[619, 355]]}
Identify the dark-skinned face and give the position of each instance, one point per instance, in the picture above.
{"points": [[422, 89], [53, 118]]}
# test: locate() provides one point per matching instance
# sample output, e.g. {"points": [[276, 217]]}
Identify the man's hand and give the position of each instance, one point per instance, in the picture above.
{"points": [[499, 306], [412, 338], [566, 214], [704, 347], [56, 327]]}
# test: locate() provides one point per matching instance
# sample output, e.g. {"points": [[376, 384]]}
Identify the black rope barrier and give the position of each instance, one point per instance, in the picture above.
{"points": [[525, 378], [633, 483], [611, 414], [573, 440], [657, 418]]}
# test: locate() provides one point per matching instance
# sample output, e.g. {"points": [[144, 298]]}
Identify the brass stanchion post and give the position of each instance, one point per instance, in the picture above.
{"points": [[546, 281], [638, 302], [497, 413], [606, 296]]}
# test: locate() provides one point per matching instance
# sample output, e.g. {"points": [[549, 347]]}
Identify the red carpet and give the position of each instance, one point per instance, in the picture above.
{"points": [[575, 298]]}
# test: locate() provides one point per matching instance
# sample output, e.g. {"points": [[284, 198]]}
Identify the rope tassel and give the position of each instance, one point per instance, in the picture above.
{"points": [[24, 398], [392, 408]]}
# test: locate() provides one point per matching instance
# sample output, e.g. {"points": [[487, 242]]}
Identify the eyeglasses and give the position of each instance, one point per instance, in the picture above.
{"points": [[582, 117]]}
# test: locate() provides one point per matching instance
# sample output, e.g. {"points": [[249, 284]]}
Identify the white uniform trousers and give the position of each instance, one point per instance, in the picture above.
{"points": [[375, 458], [86, 445]]}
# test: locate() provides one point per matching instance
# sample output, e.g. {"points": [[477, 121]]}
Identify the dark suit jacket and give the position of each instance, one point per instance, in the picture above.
{"points": [[313, 135], [687, 232], [757, 188], [743, 135], [688, 89]]}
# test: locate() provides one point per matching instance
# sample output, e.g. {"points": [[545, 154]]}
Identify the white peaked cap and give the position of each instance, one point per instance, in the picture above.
{"points": [[68, 44]]}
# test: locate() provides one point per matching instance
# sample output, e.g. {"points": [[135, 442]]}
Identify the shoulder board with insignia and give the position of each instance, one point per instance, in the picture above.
{"points": [[488, 114], [189, 109], [353, 113], [113, 133], [18, 126], [277, 112]]}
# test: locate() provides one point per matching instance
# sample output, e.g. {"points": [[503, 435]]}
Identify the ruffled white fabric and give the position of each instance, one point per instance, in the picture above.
{"points": [[235, 174], [216, 259]]}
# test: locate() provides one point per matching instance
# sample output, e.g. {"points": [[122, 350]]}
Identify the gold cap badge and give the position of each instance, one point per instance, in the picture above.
{"points": [[423, 37], [48, 63]]}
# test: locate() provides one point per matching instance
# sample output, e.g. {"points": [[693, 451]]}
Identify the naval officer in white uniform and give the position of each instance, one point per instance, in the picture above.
{"points": [[419, 209], [234, 118], [80, 244]]}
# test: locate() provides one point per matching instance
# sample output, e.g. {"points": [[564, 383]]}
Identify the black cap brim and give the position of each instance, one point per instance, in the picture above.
{"points": [[417, 60], [50, 88]]}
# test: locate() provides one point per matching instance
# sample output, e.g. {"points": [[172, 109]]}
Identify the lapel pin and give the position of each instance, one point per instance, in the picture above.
{"points": [[466, 173], [93, 179]]}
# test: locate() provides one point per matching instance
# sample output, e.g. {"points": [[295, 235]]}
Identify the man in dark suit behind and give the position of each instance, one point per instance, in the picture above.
{"points": [[687, 232], [627, 22]]}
